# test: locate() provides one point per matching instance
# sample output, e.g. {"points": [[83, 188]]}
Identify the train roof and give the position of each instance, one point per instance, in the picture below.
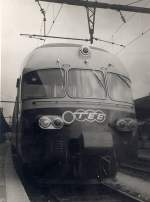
{"points": [[47, 56], [142, 106]]}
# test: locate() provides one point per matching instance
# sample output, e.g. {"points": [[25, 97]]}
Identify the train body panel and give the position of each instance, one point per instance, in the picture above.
{"points": [[102, 132], [69, 55], [75, 110]]}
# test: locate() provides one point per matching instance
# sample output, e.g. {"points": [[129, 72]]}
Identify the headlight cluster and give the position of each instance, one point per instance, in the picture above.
{"points": [[126, 124], [50, 122], [85, 51]]}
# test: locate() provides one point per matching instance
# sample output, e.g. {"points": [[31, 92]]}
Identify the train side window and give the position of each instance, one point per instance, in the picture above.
{"points": [[119, 88]]}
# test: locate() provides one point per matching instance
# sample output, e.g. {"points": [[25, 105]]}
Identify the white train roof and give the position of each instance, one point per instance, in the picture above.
{"points": [[68, 55]]}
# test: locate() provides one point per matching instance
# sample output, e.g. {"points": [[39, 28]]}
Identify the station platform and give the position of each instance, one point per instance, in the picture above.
{"points": [[11, 188]]}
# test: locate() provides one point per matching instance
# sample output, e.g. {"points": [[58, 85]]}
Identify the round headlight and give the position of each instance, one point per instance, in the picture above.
{"points": [[132, 124], [58, 123], [44, 122], [121, 125], [85, 51], [126, 124]]}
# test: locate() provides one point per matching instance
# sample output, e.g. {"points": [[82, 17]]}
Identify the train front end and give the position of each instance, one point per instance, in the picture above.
{"points": [[76, 109]]}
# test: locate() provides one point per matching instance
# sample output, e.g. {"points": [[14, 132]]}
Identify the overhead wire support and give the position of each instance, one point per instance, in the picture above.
{"points": [[53, 37], [44, 15], [91, 11], [43, 37], [110, 42], [122, 17], [7, 101], [96, 4]]}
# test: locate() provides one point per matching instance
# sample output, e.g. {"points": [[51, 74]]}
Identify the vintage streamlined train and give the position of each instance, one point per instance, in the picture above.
{"points": [[74, 114]]}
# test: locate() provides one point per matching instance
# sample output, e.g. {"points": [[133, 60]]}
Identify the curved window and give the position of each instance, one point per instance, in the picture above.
{"points": [[119, 88], [86, 84], [47, 83]]}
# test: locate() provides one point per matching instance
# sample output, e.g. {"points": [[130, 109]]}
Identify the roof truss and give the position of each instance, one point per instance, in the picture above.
{"points": [[97, 4]]}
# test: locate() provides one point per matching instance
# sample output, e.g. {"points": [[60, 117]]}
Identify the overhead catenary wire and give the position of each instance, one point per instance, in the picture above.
{"points": [[135, 39], [134, 2], [128, 20], [54, 20], [110, 42], [40, 37], [139, 36], [95, 38], [122, 24]]}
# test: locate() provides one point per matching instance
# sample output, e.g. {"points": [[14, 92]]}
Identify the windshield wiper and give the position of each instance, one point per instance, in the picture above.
{"points": [[62, 72], [125, 80], [96, 75]]}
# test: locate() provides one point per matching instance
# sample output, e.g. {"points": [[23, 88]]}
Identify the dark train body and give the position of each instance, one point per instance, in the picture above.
{"points": [[74, 112]]}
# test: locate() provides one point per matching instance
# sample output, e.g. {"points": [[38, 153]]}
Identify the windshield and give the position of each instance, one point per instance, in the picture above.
{"points": [[119, 88], [85, 84], [47, 83], [50, 83]]}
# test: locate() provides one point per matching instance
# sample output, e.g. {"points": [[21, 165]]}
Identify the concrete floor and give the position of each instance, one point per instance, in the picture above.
{"points": [[11, 188], [3, 149]]}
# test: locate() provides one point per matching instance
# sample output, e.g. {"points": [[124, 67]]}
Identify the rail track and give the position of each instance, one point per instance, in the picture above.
{"points": [[94, 193], [139, 168], [44, 191], [78, 193]]}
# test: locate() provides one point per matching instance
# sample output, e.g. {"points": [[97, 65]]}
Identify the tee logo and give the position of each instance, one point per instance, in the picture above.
{"points": [[84, 115]]}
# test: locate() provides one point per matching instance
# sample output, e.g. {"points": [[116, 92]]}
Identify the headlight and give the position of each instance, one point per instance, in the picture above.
{"points": [[44, 122], [57, 123], [85, 51], [126, 124]]}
